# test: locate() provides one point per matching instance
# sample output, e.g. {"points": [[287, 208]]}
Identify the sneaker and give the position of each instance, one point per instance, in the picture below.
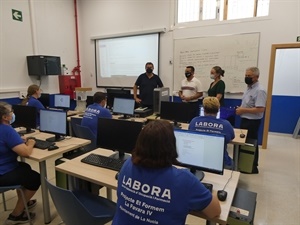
{"points": [[22, 218], [31, 204]]}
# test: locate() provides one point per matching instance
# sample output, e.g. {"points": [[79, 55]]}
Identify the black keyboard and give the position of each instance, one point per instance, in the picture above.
{"points": [[208, 186], [104, 161], [41, 144]]}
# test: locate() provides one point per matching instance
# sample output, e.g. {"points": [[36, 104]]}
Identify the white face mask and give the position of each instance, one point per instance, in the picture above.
{"points": [[212, 76]]}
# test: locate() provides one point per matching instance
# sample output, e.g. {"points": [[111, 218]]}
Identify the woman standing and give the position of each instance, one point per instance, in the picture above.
{"points": [[217, 88], [13, 172]]}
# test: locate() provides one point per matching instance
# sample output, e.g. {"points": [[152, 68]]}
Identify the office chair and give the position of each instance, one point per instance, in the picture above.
{"points": [[80, 207], [86, 133], [74, 121], [4, 189]]}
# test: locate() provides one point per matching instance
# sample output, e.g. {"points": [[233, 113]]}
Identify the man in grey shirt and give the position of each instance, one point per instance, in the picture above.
{"points": [[252, 108]]}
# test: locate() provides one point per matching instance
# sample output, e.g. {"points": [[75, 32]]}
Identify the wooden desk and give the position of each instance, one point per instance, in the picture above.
{"points": [[106, 177], [41, 156]]}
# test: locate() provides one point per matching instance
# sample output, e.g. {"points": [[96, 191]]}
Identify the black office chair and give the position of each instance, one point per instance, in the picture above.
{"points": [[74, 121], [80, 207], [86, 133], [4, 189]]}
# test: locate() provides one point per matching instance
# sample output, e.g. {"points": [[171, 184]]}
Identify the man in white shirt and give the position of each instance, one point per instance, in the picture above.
{"points": [[191, 87]]}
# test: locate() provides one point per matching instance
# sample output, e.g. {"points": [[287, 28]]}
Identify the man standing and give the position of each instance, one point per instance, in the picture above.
{"points": [[95, 111], [191, 87], [252, 108], [146, 83]]}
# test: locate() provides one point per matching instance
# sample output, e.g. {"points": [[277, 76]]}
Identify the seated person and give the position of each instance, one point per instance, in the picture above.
{"points": [[94, 111], [209, 123], [33, 93], [13, 172], [152, 189]]}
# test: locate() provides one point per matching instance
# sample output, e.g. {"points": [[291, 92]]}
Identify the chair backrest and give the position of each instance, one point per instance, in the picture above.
{"points": [[82, 208], [74, 121], [86, 133]]}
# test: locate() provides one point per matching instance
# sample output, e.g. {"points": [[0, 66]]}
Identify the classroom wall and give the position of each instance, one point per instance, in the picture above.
{"points": [[48, 28]]}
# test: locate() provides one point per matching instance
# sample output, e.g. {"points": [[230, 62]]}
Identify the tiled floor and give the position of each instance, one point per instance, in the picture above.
{"points": [[277, 185]]}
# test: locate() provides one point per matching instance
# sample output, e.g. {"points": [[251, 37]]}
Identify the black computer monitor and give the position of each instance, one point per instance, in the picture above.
{"points": [[62, 101], [45, 99], [178, 111], [26, 116], [89, 100], [124, 106], [118, 135], [113, 93], [200, 151], [53, 122]]}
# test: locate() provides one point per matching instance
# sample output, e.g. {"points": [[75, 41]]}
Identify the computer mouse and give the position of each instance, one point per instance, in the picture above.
{"points": [[222, 195], [242, 135], [52, 147], [117, 175]]}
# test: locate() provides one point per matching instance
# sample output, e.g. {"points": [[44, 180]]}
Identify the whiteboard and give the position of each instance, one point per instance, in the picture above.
{"points": [[234, 53]]}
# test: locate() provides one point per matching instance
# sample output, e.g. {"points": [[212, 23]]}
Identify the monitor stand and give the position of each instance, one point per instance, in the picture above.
{"points": [[198, 173], [56, 138], [124, 117], [27, 131], [120, 155], [176, 125]]}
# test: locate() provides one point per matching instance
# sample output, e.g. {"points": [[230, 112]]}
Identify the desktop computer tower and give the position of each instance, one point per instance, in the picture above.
{"points": [[246, 156], [159, 95]]}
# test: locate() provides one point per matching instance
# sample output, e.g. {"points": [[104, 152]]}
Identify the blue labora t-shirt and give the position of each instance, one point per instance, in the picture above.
{"points": [[213, 125], [91, 115], [157, 196], [9, 138], [38, 105]]}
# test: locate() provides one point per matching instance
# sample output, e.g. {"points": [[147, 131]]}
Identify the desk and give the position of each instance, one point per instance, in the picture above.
{"points": [[42, 155], [106, 177]]}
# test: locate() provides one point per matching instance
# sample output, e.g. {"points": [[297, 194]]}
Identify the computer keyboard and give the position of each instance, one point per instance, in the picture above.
{"points": [[104, 161], [41, 144]]}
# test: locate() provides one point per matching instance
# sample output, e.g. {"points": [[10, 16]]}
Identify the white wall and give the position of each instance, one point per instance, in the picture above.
{"points": [[110, 17], [52, 33]]}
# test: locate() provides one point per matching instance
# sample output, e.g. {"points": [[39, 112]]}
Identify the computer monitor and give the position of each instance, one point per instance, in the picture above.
{"points": [[200, 151], [124, 106], [45, 99], [26, 116], [89, 100], [53, 122], [118, 135], [62, 101], [113, 93], [178, 111]]}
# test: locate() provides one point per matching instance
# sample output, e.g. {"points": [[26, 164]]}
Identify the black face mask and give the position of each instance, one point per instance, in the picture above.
{"points": [[248, 80], [187, 75], [149, 70]]}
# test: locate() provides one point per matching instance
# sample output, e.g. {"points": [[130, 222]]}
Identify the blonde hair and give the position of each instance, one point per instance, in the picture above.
{"points": [[31, 90], [211, 105]]}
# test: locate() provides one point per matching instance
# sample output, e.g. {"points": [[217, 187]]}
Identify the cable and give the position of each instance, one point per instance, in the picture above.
{"points": [[228, 179]]}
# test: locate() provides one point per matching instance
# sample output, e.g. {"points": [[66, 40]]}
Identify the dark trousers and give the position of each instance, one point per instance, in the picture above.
{"points": [[252, 126]]}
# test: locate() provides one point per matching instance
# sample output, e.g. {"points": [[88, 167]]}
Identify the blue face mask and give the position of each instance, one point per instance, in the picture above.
{"points": [[13, 118]]}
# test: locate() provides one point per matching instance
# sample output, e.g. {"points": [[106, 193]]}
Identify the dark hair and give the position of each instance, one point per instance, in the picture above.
{"points": [[99, 97], [219, 70], [192, 68], [149, 63], [31, 90], [155, 146], [4, 109]]}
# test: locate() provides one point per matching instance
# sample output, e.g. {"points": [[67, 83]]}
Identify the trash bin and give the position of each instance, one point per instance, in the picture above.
{"points": [[246, 155]]}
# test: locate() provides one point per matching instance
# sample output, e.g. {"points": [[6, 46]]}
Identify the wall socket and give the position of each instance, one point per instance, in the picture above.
{"points": [[22, 94]]}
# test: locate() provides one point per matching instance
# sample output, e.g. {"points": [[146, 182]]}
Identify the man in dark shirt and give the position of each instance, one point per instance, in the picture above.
{"points": [[146, 83]]}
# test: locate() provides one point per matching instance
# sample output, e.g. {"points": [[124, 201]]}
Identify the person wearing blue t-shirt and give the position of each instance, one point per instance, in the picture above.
{"points": [[209, 123], [95, 111], [146, 83], [33, 93], [153, 191], [13, 172]]}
